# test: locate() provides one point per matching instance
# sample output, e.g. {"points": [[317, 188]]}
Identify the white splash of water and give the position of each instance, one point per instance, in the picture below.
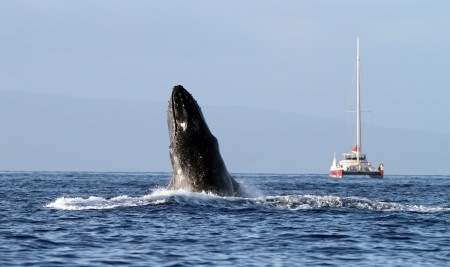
{"points": [[95, 203], [290, 202], [156, 197]]}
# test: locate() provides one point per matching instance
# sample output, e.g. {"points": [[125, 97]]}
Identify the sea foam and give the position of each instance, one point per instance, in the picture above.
{"points": [[291, 202]]}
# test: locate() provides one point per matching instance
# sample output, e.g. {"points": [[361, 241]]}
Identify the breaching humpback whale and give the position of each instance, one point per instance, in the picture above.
{"points": [[194, 151]]}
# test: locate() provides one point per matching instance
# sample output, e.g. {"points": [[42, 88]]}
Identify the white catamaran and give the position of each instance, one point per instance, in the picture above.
{"points": [[355, 163]]}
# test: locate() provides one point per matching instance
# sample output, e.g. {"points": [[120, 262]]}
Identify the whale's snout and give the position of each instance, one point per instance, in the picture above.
{"points": [[184, 114]]}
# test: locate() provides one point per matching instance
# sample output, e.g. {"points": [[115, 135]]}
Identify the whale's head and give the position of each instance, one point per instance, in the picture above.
{"points": [[185, 116], [194, 151]]}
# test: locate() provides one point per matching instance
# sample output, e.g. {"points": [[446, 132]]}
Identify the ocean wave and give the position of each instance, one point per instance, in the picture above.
{"points": [[290, 202], [305, 202]]}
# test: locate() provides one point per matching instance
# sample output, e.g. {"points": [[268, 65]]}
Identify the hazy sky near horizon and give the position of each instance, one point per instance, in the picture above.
{"points": [[296, 56]]}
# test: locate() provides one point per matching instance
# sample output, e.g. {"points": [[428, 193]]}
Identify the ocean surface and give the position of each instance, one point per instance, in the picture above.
{"points": [[130, 219]]}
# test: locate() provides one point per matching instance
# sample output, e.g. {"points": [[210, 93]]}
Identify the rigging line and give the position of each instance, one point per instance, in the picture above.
{"points": [[350, 97], [373, 129]]}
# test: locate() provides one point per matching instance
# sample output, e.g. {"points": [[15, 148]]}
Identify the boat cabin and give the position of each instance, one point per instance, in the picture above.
{"points": [[352, 156]]}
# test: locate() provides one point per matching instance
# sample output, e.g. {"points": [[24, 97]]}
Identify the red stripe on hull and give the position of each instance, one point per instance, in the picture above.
{"points": [[336, 173]]}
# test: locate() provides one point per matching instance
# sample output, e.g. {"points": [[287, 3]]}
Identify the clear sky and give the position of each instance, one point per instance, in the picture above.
{"points": [[296, 56]]}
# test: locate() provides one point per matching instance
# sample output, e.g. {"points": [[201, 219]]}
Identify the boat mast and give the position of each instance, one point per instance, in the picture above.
{"points": [[358, 106]]}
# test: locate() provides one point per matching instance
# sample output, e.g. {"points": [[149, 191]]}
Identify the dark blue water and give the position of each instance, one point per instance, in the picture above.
{"points": [[129, 219]]}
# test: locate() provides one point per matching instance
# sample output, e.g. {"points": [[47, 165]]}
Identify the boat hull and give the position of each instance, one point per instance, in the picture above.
{"points": [[339, 173], [373, 174]]}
